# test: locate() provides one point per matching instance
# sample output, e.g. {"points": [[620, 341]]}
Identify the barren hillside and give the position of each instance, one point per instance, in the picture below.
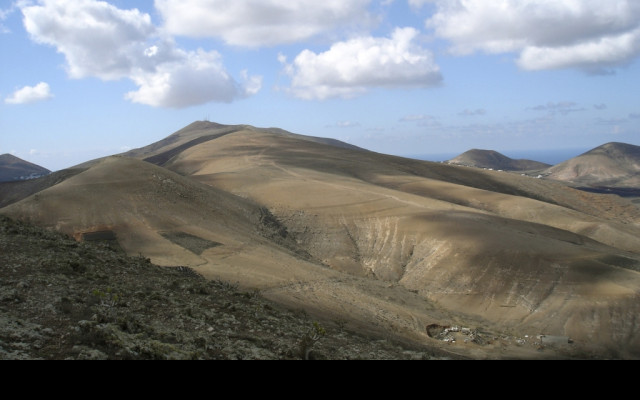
{"points": [[391, 245], [493, 160], [611, 165], [15, 169], [64, 300]]}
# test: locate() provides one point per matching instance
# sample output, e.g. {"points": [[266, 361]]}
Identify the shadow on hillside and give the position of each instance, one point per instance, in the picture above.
{"points": [[619, 191]]}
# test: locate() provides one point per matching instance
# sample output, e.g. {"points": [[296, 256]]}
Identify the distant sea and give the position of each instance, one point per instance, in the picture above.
{"points": [[552, 157]]}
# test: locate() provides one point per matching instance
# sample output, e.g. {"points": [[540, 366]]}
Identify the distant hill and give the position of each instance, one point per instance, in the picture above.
{"points": [[610, 165], [13, 169], [493, 160]]}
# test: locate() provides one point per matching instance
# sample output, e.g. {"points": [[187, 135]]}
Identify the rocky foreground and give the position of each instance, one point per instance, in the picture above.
{"points": [[60, 299]]}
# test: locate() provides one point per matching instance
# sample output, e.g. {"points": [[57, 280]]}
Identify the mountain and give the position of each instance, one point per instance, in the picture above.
{"points": [[390, 246], [493, 160], [611, 165], [203, 131], [15, 169]]}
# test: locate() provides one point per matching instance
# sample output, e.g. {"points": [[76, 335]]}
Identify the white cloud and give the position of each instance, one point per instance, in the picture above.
{"points": [[195, 78], [587, 34], [31, 94], [100, 40], [351, 68], [256, 23], [597, 54], [97, 39]]}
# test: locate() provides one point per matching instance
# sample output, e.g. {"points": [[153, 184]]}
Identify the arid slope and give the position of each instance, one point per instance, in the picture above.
{"points": [[516, 251], [176, 221], [493, 160], [610, 165], [63, 300], [388, 244]]}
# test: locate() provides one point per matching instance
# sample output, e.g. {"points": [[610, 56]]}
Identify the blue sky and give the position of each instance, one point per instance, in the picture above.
{"points": [[81, 79]]}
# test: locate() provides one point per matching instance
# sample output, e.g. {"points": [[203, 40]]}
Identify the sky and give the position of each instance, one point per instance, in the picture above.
{"points": [[82, 79]]}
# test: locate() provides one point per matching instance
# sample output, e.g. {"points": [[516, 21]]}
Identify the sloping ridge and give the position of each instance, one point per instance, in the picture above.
{"points": [[313, 139], [408, 243], [198, 132], [13, 168], [164, 157], [493, 160], [145, 207], [157, 153], [610, 165], [501, 246], [161, 152]]}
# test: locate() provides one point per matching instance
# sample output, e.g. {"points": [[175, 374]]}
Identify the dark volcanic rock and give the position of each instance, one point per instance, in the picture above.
{"points": [[60, 299]]}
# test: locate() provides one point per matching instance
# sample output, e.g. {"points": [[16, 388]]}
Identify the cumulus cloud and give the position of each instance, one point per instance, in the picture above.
{"points": [[194, 78], [97, 39], [352, 67], [100, 40], [31, 94], [586, 34], [256, 23]]}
